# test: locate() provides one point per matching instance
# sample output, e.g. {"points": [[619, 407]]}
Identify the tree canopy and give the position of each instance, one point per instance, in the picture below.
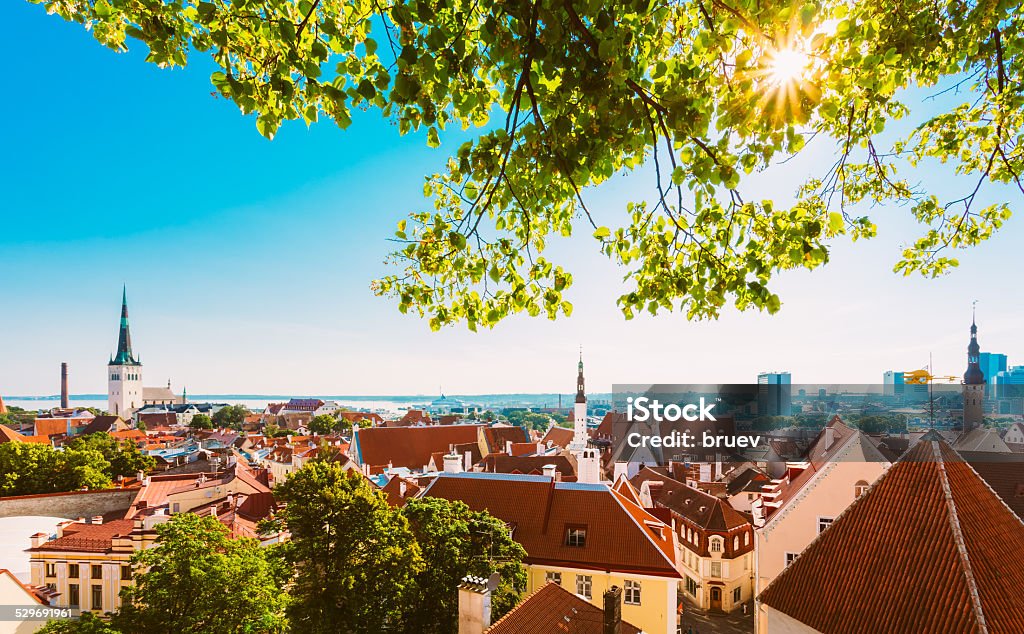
{"points": [[31, 468], [201, 421], [456, 542], [124, 457], [564, 94], [354, 558], [197, 579], [231, 416]]}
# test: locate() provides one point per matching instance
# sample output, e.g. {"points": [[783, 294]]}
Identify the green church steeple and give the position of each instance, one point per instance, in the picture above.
{"points": [[124, 339]]}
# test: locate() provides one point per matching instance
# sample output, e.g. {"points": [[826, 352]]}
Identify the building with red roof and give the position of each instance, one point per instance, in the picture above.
{"points": [[554, 610], [584, 537], [928, 549]]}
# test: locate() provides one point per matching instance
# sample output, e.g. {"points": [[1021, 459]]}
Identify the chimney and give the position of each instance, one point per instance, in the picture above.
{"points": [[38, 539], [97, 519], [550, 470], [469, 460], [401, 488], [64, 385], [830, 437], [508, 447], [475, 603], [453, 463], [612, 610]]}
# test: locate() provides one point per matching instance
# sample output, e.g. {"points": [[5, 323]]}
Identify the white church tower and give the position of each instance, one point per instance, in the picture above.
{"points": [[124, 372], [588, 459]]}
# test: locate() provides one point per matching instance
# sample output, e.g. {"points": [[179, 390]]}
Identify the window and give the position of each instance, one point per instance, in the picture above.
{"points": [[746, 539], [823, 523], [97, 572], [716, 569], [576, 536], [736, 542], [51, 570], [126, 573], [791, 557], [632, 596], [553, 577], [583, 585], [860, 488], [97, 597], [73, 571], [73, 595], [691, 586], [737, 594], [715, 544]]}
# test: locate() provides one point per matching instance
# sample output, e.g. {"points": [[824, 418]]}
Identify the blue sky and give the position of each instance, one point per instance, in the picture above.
{"points": [[248, 262]]}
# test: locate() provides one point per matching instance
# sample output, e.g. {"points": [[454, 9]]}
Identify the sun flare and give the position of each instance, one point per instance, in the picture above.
{"points": [[787, 66]]}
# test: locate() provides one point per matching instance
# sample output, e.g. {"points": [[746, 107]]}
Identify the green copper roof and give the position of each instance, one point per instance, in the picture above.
{"points": [[124, 339]]}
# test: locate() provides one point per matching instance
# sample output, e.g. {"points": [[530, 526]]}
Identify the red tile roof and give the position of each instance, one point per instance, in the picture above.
{"points": [[533, 465], [393, 490], [1005, 475], [928, 549], [619, 535], [497, 437], [555, 610], [409, 446], [88, 538], [9, 435], [559, 436]]}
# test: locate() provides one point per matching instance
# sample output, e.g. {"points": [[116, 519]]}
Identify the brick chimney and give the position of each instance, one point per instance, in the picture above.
{"points": [[612, 610], [475, 603]]}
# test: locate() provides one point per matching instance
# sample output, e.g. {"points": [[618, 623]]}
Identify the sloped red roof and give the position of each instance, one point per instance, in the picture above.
{"points": [[534, 465], [560, 436], [619, 535], [9, 435], [928, 549], [1005, 476], [88, 538], [393, 490], [555, 610], [409, 446], [496, 437]]}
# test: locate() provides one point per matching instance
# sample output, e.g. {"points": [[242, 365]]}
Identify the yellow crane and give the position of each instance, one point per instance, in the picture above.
{"points": [[923, 377]]}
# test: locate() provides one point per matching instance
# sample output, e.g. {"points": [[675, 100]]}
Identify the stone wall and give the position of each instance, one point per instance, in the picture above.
{"points": [[71, 505]]}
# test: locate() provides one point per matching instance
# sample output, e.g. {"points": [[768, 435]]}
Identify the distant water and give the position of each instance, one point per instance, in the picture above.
{"points": [[255, 404]]}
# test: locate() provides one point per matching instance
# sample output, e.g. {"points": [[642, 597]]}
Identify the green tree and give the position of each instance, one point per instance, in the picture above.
{"points": [[231, 416], [31, 468], [705, 94], [88, 623], [201, 421], [323, 424], [197, 579], [456, 542], [354, 557], [530, 420], [124, 457]]}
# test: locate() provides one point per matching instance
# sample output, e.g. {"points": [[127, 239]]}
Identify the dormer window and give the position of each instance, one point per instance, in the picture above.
{"points": [[715, 544], [860, 488], [576, 536]]}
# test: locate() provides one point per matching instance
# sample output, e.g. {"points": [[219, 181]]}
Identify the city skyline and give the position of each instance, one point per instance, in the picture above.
{"points": [[253, 276]]}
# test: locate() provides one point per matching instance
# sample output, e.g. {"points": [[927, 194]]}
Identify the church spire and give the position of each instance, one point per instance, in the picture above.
{"points": [[124, 338], [581, 396], [974, 375]]}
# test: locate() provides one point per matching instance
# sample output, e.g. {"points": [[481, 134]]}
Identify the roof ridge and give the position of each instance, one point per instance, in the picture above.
{"points": [[521, 602], [643, 529], [958, 539]]}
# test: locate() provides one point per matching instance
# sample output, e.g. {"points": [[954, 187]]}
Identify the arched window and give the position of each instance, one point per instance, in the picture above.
{"points": [[715, 544], [736, 542], [860, 488]]}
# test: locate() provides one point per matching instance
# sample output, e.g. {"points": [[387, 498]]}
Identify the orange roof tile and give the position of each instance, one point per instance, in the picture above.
{"points": [[929, 549], [88, 538], [555, 610], [620, 536], [409, 447]]}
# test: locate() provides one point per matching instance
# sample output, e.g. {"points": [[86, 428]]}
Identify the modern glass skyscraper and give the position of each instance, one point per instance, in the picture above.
{"points": [[774, 394]]}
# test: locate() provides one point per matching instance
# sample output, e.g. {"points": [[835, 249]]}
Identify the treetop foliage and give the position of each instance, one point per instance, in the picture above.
{"points": [[567, 93]]}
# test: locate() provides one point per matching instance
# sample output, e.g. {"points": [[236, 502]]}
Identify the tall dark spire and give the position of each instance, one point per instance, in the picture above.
{"points": [[124, 338], [581, 396], [974, 375]]}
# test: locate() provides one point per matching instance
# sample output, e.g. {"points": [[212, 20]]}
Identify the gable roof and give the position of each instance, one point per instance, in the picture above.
{"points": [[1004, 475], [620, 536], [534, 465], [554, 610], [9, 435], [106, 422], [925, 550], [496, 437], [559, 436], [408, 446]]}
